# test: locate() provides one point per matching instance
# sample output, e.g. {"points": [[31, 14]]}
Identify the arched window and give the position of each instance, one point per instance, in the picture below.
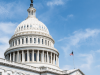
{"points": [[30, 26], [24, 26], [34, 40], [22, 41], [34, 56], [21, 27], [30, 40], [42, 41], [25, 56], [26, 40], [30, 56], [27, 26], [8, 74], [38, 40]]}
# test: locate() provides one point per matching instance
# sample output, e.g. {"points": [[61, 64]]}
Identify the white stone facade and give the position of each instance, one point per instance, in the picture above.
{"points": [[32, 51]]}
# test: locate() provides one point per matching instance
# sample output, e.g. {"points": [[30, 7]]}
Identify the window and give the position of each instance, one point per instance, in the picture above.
{"points": [[34, 40], [38, 41], [15, 42], [39, 56], [30, 40], [22, 41], [19, 28], [48, 43], [26, 40], [0, 73], [45, 42], [24, 27], [34, 56], [19, 41], [25, 56], [27, 26], [42, 41], [30, 56], [30, 26]]}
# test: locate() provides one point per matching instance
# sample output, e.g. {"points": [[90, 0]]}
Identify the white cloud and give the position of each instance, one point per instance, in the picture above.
{"points": [[88, 59], [55, 2], [11, 10], [77, 37], [6, 31], [98, 66], [98, 51]]}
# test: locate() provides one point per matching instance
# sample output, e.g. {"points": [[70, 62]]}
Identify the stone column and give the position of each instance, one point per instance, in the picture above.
{"points": [[23, 56], [20, 41], [47, 57], [14, 42], [32, 55], [43, 56], [36, 40], [51, 57], [10, 56], [27, 55], [54, 59], [17, 41], [33, 40], [28, 40], [24, 40], [37, 55], [17, 56], [58, 61], [14, 56]]}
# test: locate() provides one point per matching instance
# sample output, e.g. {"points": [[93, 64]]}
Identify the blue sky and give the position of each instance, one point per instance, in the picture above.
{"points": [[73, 24]]}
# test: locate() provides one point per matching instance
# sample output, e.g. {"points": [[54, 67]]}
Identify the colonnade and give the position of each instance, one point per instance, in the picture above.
{"points": [[39, 56], [31, 40]]}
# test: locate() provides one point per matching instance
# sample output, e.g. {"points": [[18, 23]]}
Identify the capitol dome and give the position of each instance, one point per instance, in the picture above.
{"points": [[31, 24], [32, 44]]}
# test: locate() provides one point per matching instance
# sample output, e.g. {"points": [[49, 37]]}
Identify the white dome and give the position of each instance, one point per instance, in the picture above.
{"points": [[31, 24]]}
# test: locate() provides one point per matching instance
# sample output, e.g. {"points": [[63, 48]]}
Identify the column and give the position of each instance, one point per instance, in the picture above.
{"points": [[24, 40], [51, 57], [20, 41], [10, 56], [32, 55], [58, 61], [23, 56], [17, 41], [28, 40], [32, 40], [47, 57], [43, 56], [41, 40], [27, 55], [14, 42], [36, 40], [17, 56], [37, 55], [54, 59], [14, 56]]}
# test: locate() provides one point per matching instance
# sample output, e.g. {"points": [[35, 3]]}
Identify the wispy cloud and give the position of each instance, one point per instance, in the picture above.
{"points": [[88, 59], [10, 10], [55, 2], [77, 37], [6, 31]]}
